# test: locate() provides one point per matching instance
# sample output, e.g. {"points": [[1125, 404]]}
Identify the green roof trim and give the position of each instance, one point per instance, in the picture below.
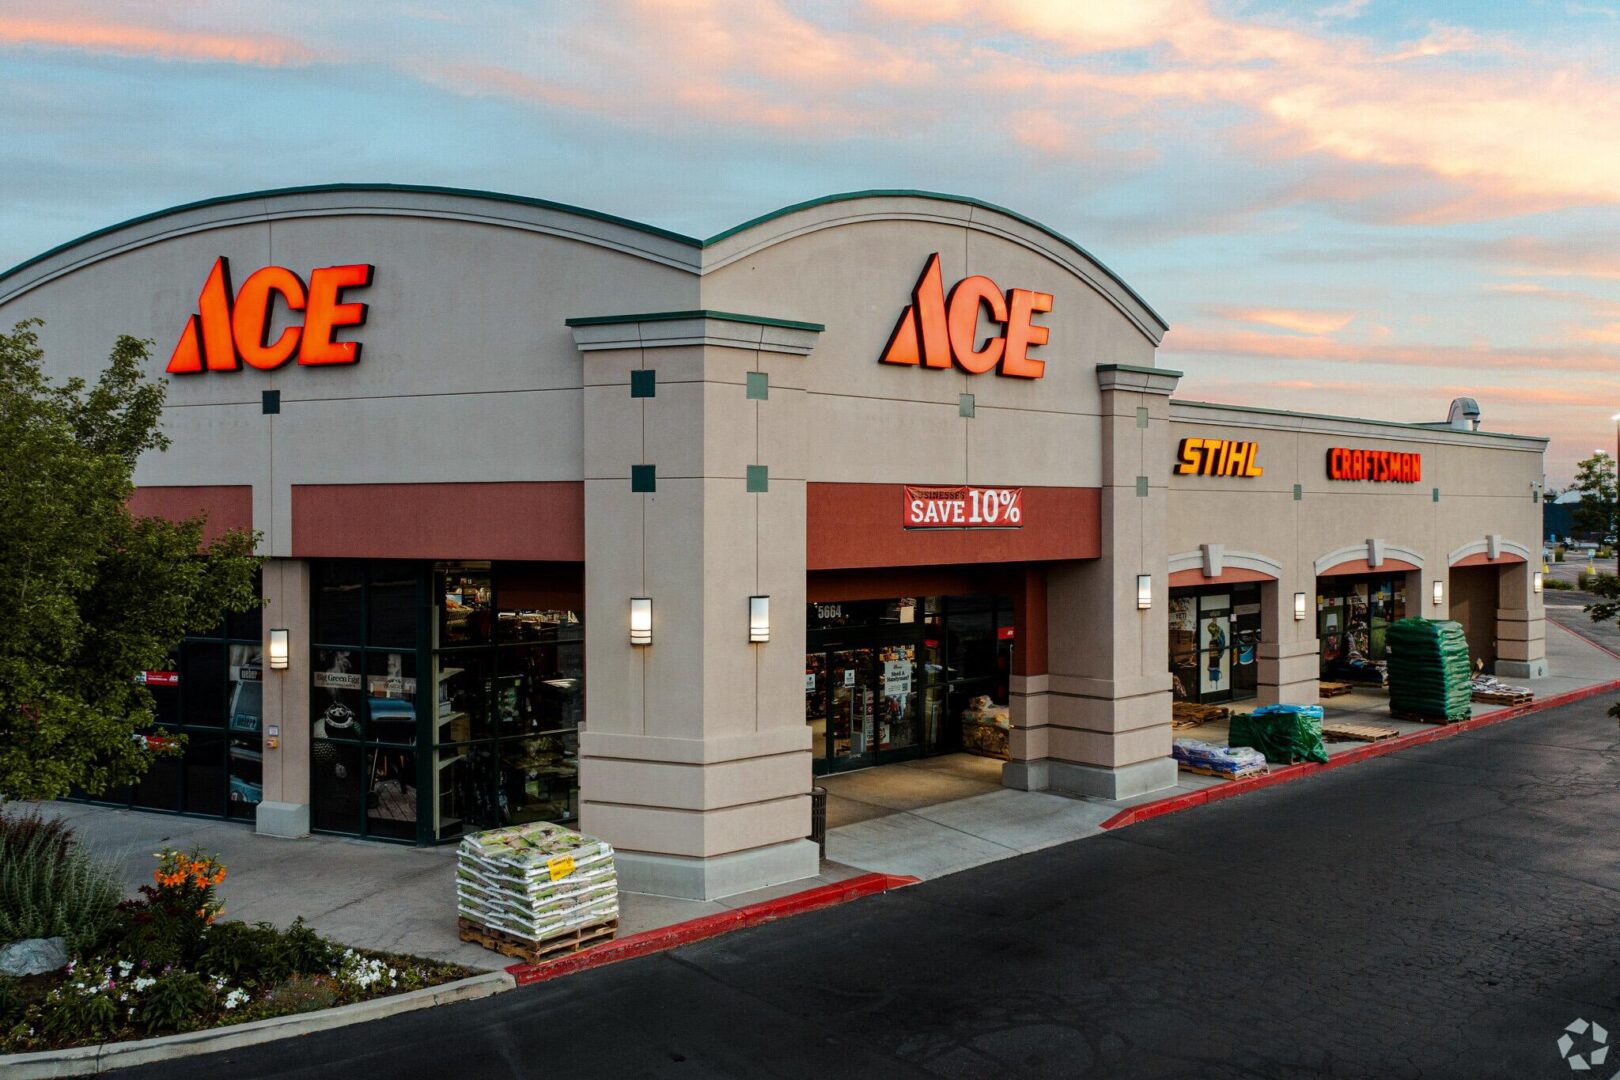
{"points": [[1138, 369], [1408, 425], [671, 316], [965, 200], [316, 189], [548, 204]]}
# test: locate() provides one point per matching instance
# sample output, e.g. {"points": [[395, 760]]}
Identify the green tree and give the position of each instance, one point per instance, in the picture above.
{"points": [[1594, 479], [90, 594]]}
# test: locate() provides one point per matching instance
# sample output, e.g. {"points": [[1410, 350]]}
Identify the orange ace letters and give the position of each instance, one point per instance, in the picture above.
{"points": [[229, 328], [934, 330]]}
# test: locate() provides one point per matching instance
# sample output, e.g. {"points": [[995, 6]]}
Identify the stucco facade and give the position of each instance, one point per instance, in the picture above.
{"points": [[594, 410]]}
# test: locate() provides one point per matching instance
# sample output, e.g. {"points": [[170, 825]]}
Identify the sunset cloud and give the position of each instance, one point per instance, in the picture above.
{"points": [[1316, 323], [129, 39]]}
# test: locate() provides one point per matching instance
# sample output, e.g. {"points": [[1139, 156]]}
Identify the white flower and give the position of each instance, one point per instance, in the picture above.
{"points": [[124, 968], [142, 982], [235, 998]]}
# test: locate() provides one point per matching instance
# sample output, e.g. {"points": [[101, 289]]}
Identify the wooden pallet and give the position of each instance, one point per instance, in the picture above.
{"points": [[1185, 714], [1494, 697], [1357, 732], [1241, 774], [534, 951], [1333, 689]]}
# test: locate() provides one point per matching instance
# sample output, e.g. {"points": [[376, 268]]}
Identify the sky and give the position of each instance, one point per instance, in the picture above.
{"points": [[1357, 207]]}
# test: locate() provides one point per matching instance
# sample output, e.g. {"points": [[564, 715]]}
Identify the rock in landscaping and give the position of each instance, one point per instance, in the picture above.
{"points": [[36, 956]]}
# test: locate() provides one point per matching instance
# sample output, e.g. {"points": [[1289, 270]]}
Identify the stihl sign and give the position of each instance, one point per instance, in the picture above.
{"points": [[1218, 457], [229, 327], [936, 329]]}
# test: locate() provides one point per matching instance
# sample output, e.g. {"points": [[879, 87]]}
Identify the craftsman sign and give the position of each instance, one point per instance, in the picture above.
{"points": [[1218, 457], [935, 329], [1381, 466], [229, 327], [964, 508]]}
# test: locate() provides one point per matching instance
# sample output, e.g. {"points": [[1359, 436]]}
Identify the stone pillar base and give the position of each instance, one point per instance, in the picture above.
{"points": [[719, 875], [1522, 669], [284, 819], [1122, 782], [1026, 775]]}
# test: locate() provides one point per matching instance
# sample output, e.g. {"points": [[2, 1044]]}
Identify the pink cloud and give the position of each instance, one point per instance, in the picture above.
{"points": [[1316, 323], [1249, 344], [130, 39]]}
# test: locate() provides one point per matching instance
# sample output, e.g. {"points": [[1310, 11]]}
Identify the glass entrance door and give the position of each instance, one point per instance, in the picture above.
{"points": [[851, 708], [863, 703]]}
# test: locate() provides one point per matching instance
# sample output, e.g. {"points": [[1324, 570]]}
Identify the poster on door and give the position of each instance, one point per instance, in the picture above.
{"points": [[1215, 675], [896, 678]]}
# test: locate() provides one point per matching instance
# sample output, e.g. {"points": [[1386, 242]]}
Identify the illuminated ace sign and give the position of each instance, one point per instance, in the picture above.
{"points": [[935, 329]]}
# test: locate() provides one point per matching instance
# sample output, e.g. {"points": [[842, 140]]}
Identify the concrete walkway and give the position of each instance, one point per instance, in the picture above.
{"points": [[357, 892]]}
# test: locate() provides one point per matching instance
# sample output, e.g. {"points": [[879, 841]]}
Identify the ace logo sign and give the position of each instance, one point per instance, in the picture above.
{"points": [[936, 329], [229, 327]]}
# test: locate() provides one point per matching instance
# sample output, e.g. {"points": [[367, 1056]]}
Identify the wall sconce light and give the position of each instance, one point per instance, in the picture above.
{"points": [[1299, 607], [1144, 591], [1535, 581], [641, 620], [1439, 593], [759, 618], [280, 649]]}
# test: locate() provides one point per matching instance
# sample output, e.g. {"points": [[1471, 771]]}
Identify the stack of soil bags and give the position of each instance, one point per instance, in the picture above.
{"points": [[536, 881], [1283, 733], [1428, 670], [1215, 760]]}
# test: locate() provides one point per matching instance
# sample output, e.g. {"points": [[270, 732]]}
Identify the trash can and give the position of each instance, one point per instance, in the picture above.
{"points": [[818, 818]]}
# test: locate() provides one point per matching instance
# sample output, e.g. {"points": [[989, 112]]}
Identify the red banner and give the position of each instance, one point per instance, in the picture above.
{"points": [[964, 508], [159, 678]]}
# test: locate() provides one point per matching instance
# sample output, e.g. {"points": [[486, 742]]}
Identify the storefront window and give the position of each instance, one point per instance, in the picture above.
{"points": [[209, 696], [509, 666], [886, 680], [1215, 643], [1353, 614]]}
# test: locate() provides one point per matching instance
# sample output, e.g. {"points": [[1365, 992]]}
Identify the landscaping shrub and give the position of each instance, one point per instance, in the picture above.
{"points": [[167, 965], [176, 1001], [50, 886], [19, 828], [1557, 585]]}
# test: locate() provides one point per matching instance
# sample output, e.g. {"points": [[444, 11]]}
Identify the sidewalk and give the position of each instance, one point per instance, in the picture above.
{"points": [[360, 893]]}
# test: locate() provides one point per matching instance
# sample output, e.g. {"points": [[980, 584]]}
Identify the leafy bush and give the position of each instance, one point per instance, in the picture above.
{"points": [[177, 1001], [1557, 585], [236, 951], [19, 829], [307, 953], [50, 886], [12, 1002]]}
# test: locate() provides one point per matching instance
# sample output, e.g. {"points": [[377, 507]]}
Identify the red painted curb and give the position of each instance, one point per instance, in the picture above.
{"points": [[1288, 773], [708, 926]]}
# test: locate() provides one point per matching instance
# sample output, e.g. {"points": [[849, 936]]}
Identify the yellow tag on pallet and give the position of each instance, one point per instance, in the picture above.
{"points": [[560, 867]]}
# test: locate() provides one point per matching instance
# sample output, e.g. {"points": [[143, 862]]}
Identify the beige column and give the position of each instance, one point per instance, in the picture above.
{"points": [[1521, 628], [285, 808], [695, 758], [1290, 654], [1108, 687]]}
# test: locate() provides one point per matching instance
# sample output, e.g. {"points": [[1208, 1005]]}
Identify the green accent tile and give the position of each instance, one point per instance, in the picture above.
{"points": [[272, 402], [1141, 417], [1299, 492], [1435, 495], [644, 383], [643, 478], [1141, 487], [758, 478], [759, 386], [965, 406]]}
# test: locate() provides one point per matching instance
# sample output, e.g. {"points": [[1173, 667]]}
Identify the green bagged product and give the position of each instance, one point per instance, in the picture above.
{"points": [[1284, 733], [1428, 669]]}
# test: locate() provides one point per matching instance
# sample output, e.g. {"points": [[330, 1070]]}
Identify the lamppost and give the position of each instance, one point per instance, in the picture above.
{"points": [[1612, 523]]}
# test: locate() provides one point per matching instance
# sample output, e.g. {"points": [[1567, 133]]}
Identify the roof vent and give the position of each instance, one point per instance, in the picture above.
{"points": [[1464, 414]]}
